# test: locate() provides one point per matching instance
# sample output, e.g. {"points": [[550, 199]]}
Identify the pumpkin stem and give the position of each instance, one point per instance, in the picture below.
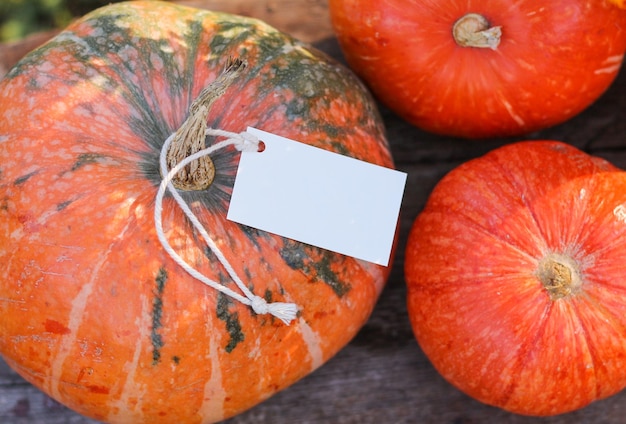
{"points": [[190, 137], [473, 30], [560, 276]]}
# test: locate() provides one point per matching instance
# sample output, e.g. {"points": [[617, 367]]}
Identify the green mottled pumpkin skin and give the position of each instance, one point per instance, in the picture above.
{"points": [[92, 310]]}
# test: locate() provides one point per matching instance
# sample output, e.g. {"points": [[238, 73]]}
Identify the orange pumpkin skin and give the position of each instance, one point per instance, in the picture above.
{"points": [[92, 310], [476, 261], [554, 59]]}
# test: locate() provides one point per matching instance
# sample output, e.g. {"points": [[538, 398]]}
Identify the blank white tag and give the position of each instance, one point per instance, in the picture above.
{"points": [[318, 197]]}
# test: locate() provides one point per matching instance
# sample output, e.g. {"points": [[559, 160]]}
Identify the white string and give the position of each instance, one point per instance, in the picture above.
{"points": [[243, 142]]}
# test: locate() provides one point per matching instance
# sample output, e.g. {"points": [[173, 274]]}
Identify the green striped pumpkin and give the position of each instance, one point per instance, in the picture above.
{"points": [[92, 310]]}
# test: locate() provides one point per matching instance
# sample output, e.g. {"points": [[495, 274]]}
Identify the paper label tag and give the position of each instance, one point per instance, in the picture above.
{"points": [[318, 197]]}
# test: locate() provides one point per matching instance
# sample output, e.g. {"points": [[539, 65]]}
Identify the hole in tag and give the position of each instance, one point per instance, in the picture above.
{"points": [[261, 147]]}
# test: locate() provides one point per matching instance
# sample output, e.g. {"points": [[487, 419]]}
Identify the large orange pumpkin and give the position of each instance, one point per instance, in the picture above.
{"points": [[92, 309], [516, 278]]}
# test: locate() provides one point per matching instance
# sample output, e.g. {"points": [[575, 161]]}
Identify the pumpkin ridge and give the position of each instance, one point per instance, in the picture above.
{"points": [[470, 224], [150, 126], [132, 93], [524, 352], [467, 221], [518, 188], [75, 318], [590, 346], [602, 182], [584, 167]]}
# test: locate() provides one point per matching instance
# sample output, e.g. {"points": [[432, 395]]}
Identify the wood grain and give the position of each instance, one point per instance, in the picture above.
{"points": [[381, 376]]}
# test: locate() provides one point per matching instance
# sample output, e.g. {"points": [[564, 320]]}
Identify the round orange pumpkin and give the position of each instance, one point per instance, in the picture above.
{"points": [[92, 309], [516, 278], [478, 69]]}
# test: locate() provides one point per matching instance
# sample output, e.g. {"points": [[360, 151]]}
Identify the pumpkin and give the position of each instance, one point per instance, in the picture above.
{"points": [[484, 69], [516, 279], [93, 310]]}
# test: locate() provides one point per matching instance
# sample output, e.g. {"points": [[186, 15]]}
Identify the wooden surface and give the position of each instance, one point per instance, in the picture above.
{"points": [[381, 376]]}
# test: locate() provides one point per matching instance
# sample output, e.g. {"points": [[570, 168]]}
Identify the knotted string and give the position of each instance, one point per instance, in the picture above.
{"points": [[242, 142]]}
